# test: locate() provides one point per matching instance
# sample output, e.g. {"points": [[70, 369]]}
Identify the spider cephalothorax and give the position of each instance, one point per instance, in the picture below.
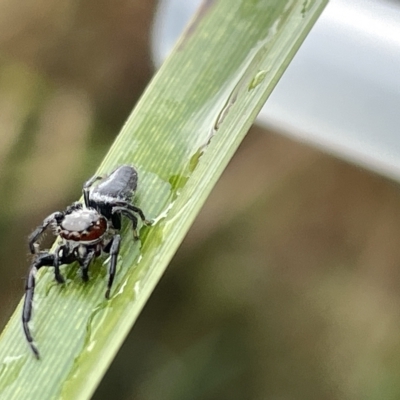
{"points": [[83, 225]]}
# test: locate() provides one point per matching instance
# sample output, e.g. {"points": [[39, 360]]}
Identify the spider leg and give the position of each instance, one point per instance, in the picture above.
{"points": [[35, 235], [44, 259], [85, 262], [129, 214], [134, 209], [59, 258], [116, 220], [114, 251], [73, 207], [86, 188]]}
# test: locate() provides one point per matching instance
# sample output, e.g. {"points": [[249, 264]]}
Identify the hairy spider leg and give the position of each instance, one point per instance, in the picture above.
{"points": [[57, 262], [42, 260], [76, 205], [114, 246], [85, 263], [136, 210], [129, 214], [56, 218], [35, 235], [86, 188], [125, 205], [62, 255]]}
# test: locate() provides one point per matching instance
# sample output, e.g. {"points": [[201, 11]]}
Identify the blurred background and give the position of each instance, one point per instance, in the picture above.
{"points": [[288, 284]]}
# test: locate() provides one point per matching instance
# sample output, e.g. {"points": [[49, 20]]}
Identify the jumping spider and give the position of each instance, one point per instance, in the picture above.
{"points": [[85, 232]]}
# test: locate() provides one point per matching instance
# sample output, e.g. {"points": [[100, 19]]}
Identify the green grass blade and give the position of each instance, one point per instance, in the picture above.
{"points": [[180, 137]]}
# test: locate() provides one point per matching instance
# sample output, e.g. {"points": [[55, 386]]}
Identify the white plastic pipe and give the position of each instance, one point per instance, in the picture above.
{"points": [[342, 90]]}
